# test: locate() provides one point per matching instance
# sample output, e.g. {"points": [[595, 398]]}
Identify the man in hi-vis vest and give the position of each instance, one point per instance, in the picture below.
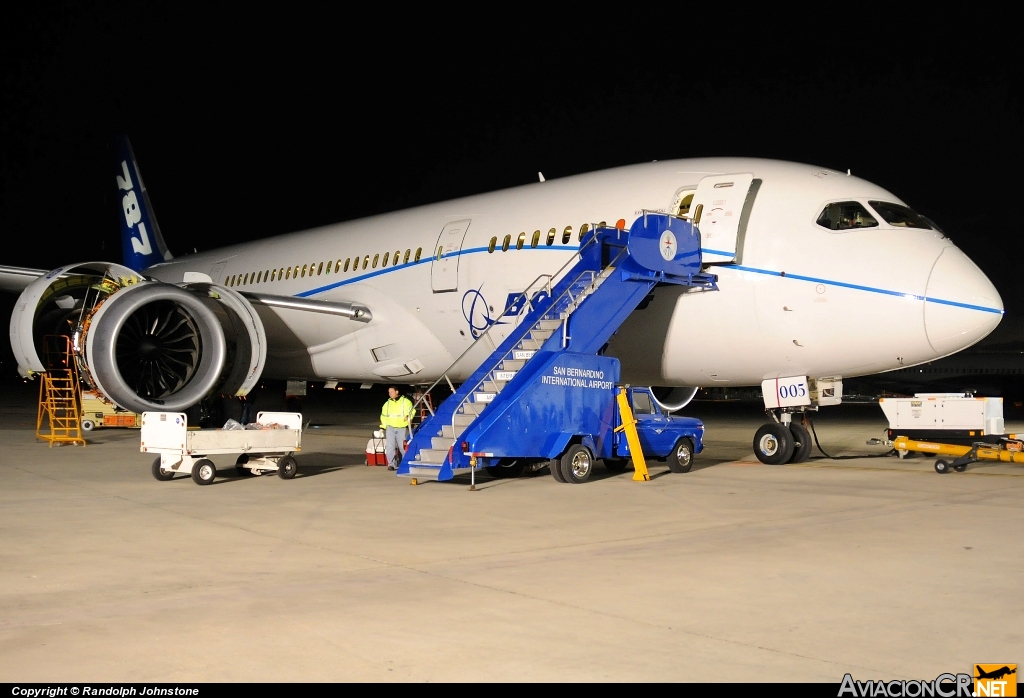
{"points": [[394, 420]]}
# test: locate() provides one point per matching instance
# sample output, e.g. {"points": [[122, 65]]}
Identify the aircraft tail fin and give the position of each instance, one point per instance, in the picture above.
{"points": [[142, 245]]}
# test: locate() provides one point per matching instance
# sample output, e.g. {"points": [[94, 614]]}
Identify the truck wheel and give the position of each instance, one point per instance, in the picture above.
{"points": [[555, 466], [88, 425], [161, 474], [773, 444], [941, 467], [681, 458], [616, 465], [577, 464], [507, 468], [801, 442], [287, 467], [203, 471]]}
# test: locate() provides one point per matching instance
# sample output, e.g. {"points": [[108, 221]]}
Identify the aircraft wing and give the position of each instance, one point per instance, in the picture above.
{"points": [[17, 278]]}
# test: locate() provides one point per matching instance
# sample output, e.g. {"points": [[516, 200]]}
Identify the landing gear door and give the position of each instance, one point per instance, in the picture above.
{"points": [[444, 270], [720, 209]]}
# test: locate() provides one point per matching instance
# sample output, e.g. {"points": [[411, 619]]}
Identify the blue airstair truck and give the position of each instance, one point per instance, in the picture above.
{"points": [[547, 394]]}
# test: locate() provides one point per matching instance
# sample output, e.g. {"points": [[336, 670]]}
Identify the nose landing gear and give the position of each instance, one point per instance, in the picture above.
{"points": [[782, 441]]}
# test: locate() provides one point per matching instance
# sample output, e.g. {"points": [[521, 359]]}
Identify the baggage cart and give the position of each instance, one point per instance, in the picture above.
{"points": [[184, 450]]}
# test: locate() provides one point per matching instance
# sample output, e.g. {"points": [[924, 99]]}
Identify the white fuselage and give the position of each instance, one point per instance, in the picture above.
{"points": [[799, 300]]}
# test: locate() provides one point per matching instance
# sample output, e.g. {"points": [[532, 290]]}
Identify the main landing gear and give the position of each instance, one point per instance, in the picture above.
{"points": [[784, 440]]}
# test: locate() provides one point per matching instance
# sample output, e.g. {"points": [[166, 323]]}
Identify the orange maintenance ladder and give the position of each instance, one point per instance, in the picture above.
{"points": [[59, 396]]}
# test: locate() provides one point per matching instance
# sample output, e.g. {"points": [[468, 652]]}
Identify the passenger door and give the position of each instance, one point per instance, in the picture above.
{"points": [[444, 270], [720, 209]]}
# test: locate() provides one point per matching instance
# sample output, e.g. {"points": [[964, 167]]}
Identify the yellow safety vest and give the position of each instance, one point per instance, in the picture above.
{"points": [[396, 413]]}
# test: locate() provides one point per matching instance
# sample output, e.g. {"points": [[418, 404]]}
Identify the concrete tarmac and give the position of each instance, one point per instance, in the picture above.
{"points": [[734, 571]]}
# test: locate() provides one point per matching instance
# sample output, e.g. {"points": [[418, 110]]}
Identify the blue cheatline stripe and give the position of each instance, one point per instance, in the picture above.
{"points": [[705, 250], [423, 260], [869, 289], [737, 267]]}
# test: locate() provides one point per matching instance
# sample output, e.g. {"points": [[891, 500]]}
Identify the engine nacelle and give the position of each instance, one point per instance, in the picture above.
{"points": [[145, 345], [673, 399]]}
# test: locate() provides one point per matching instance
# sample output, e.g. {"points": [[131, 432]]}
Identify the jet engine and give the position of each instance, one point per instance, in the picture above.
{"points": [[145, 345], [673, 399]]}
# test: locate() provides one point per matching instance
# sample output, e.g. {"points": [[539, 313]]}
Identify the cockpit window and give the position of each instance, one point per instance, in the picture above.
{"points": [[900, 216], [845, 215]]}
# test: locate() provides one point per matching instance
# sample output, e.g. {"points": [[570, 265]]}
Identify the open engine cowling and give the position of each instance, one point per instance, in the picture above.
{"points": [[145, 345]]}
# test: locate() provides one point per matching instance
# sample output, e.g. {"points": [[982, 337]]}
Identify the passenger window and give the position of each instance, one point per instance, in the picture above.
{"points": [[259, 277], [245, 280], [440, 251], [387, 255], [567, 235], [583, 231], [642, 404], [521, 241], [846, 215], [406, 259], [288, 273], [505, 243], [328, 269], [491, 245], [900, 216], [418, 251], [319, 269], [303, 271], [366, 262], [536, 239], [273, 274], [551, 237], [337, 266], [346, 264], [395, 263], [375, 258]]}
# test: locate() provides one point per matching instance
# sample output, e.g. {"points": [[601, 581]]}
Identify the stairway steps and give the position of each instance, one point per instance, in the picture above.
{"points": [[529, 345], [473, 408], [512, 364], [549, 325], [450, 432], [440, 443], [463, 420], [540, 335], [432, 455]]}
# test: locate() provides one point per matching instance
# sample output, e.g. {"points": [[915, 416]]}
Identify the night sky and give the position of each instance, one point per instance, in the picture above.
{"points": [[248, 126]]}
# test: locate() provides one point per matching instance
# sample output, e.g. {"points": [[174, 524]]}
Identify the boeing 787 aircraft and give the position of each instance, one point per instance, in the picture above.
{"points": [[821, 275]]}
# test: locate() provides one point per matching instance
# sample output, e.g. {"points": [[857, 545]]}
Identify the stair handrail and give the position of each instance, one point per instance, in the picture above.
{"points": [[552, 308], [524, 295]]}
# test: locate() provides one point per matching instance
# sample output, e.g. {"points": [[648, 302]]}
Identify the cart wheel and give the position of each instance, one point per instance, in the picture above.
{"points": [[960, 468], [244, 472], [161, 474], [204, 471], [88, 425], [941, 467], [287, 467]]}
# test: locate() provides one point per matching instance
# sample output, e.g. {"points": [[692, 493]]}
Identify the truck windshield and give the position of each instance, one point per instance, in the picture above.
{"points": [[642, 404]]}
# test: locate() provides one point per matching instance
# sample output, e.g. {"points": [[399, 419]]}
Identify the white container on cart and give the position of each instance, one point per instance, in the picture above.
{"points": [[185, 451]]}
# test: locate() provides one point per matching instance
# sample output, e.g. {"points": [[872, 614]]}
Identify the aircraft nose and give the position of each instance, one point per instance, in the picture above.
{"points": [[961, 306]]}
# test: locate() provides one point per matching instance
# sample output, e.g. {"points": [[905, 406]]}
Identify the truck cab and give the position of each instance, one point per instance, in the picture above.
{"points": [[663, 436]]}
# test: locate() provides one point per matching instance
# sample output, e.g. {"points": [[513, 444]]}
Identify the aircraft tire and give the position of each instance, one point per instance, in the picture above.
{"points": [[801, 442], [773, 444], [577, 464], [681, 458], [161, 474]]}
